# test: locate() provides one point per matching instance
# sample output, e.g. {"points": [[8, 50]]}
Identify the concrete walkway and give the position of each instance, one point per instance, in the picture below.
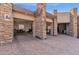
{"points": [[54, 45]]}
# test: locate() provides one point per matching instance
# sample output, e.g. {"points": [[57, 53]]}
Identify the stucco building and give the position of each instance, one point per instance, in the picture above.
{"points": [[41, 23]]}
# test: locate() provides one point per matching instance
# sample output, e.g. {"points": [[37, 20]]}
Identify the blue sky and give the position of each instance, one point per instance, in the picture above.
{"points": [[62, 7]]}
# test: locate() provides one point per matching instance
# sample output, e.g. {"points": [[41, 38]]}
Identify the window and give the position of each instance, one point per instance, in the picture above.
{"points": [[21, 26]]}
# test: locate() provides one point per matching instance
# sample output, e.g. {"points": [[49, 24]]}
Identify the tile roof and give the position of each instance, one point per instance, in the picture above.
{"points": [[25, 11], [49, 15], [29, 12]]}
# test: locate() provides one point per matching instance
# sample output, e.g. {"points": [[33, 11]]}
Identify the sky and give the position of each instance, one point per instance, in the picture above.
{"points": [[61, 7]]}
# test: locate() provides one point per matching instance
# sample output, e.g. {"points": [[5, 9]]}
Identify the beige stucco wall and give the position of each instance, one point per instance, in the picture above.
{"points": [[48, 20], [63, 17], [27, 17], [23, 16]]}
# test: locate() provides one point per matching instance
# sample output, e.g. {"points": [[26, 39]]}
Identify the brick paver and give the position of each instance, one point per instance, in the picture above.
{"points": [[26, 44]]}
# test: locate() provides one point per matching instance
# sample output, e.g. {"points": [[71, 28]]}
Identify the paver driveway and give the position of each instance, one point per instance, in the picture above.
{"points": [[27, 45]]}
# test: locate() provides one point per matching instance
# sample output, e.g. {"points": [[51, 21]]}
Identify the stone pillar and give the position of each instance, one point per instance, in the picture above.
{"points": [[52, 27], [78, 26], [55, 22], [6, 23], [73, 21], [33, 28], [40, 21]]}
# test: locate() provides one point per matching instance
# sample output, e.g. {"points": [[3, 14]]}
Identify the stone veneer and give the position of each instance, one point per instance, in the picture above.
{"points": [[78, 26], [40, 21], [6, 23], [73, 22], [55, 23], [52, 27]]}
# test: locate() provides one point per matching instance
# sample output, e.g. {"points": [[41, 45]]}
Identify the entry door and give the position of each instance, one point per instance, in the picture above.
{"points": [[62, 28]]}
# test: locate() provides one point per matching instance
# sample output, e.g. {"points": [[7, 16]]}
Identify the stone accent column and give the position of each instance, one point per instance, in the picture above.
{"points": [[33, 28], [55, 22], [40, 21], [78, 26], [73, 24], [6, 23], [52, 27]]}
